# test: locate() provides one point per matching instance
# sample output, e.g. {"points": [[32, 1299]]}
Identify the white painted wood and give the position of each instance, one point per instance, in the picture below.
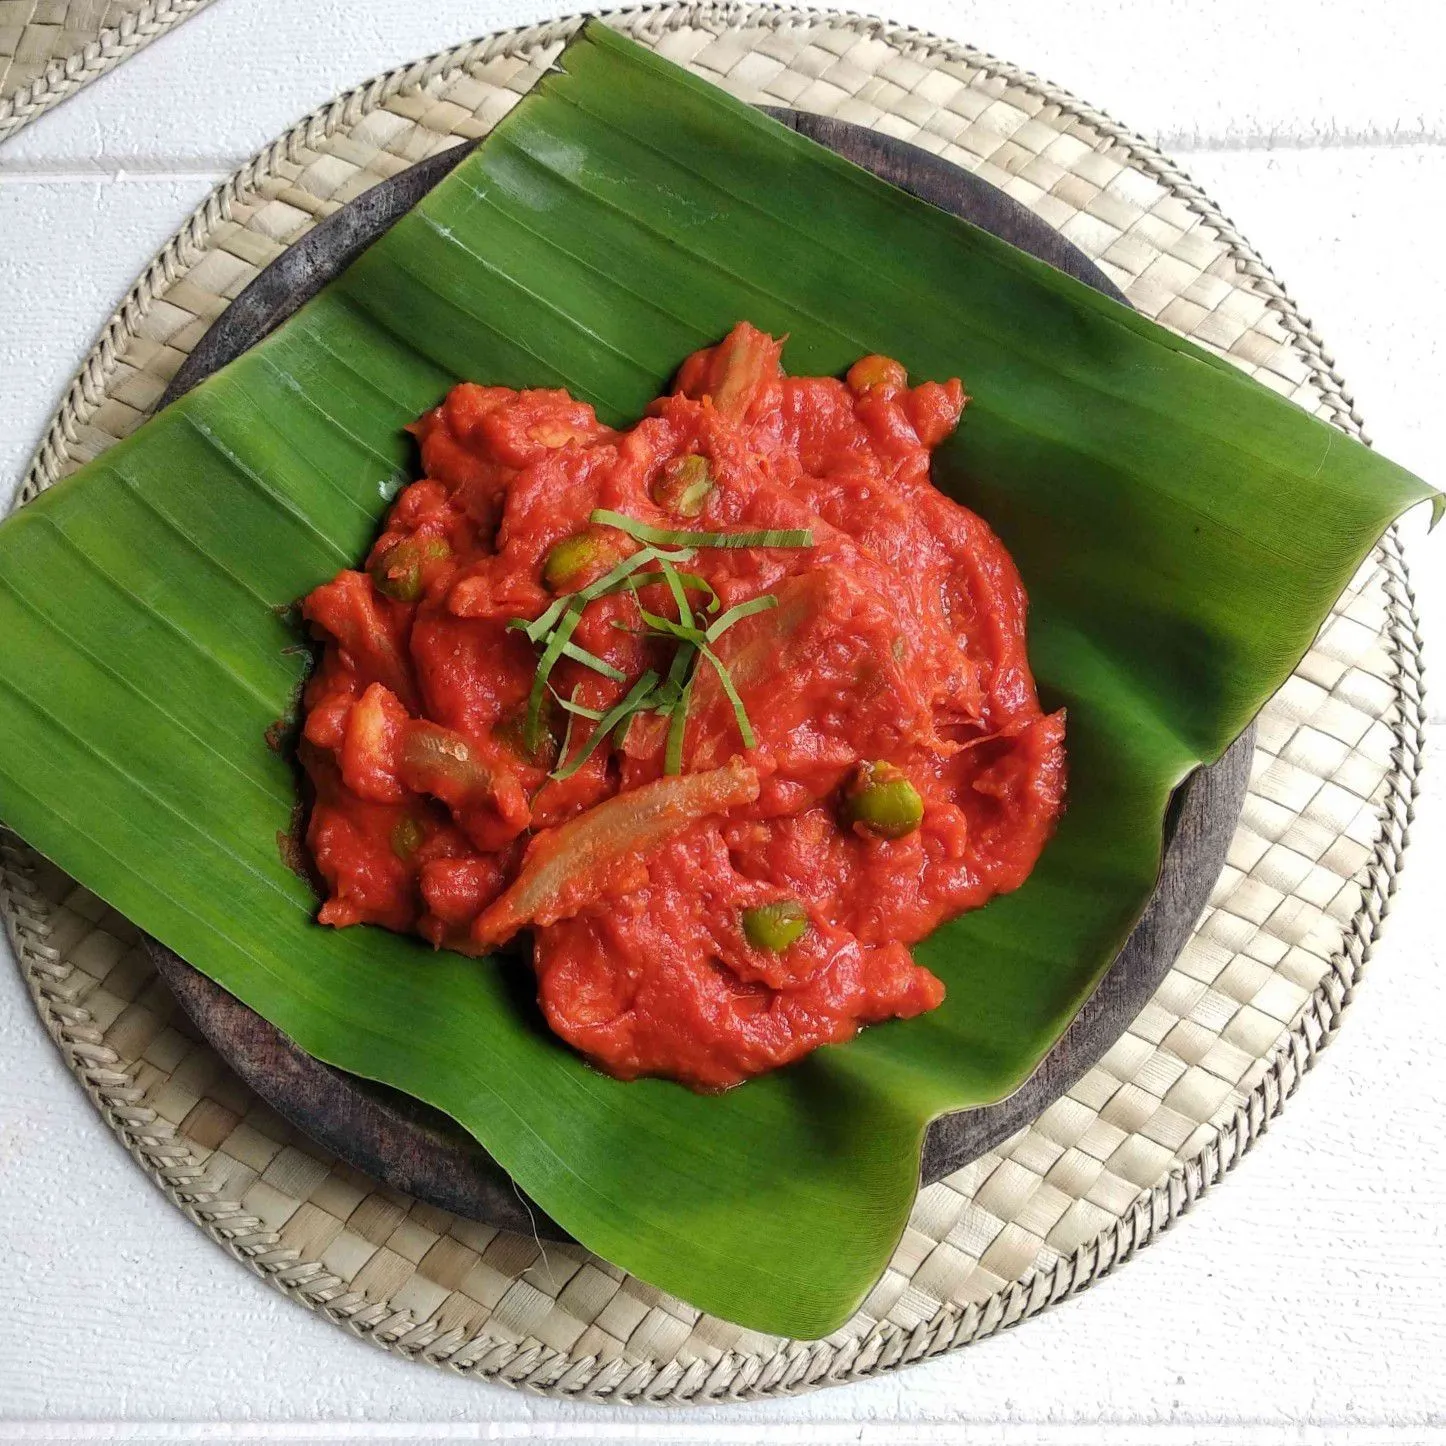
{"points": [[1228, 72], [1303, 1301]]}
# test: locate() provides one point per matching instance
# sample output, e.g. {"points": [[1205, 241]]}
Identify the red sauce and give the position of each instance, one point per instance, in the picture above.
{"points": [[896, 652]]}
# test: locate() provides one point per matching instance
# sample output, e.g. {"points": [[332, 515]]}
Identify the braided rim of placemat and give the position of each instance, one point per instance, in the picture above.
{"points": [[794, 1366], [63, 77]]}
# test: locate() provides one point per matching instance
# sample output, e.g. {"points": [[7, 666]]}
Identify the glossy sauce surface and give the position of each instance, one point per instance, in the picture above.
{"points": [[718, 922]]}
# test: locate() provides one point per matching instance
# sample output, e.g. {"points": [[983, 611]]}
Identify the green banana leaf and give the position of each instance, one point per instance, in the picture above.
{"points": [[1182, 532]]}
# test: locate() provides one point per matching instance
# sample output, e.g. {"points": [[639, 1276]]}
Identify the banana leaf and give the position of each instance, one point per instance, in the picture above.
{"points": [[1181, 530]]}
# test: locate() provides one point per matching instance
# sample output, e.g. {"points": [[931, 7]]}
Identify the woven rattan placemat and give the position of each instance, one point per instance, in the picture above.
{"points": [[1257, 992], [49, 49]]}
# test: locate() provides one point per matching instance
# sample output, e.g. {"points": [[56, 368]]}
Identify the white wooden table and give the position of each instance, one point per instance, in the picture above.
{"points": [[1305, 1301]]}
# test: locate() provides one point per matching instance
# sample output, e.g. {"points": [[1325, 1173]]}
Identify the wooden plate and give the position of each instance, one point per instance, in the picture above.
{"points": [[418, 1150]]}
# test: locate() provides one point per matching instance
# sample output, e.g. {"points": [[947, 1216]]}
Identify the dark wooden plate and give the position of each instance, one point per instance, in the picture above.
{"points": [[420, 1151]]}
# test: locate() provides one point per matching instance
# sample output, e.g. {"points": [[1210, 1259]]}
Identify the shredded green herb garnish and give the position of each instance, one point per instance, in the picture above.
{"points": [[800, 537], [556, 642], [591, 660], [670, 696], [680, 598], [570, 707], [577, 709], [739, 712], [664, 696], [690, 580], [736, 614], [624, 708], [678, 726], [684, 632], [540, 626]]}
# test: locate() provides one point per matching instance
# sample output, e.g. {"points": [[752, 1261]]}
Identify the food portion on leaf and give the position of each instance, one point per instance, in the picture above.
{"points": [[728, 709]]}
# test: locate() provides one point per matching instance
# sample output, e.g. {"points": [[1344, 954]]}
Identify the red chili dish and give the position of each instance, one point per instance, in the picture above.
{"points": [[727, 710]]}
